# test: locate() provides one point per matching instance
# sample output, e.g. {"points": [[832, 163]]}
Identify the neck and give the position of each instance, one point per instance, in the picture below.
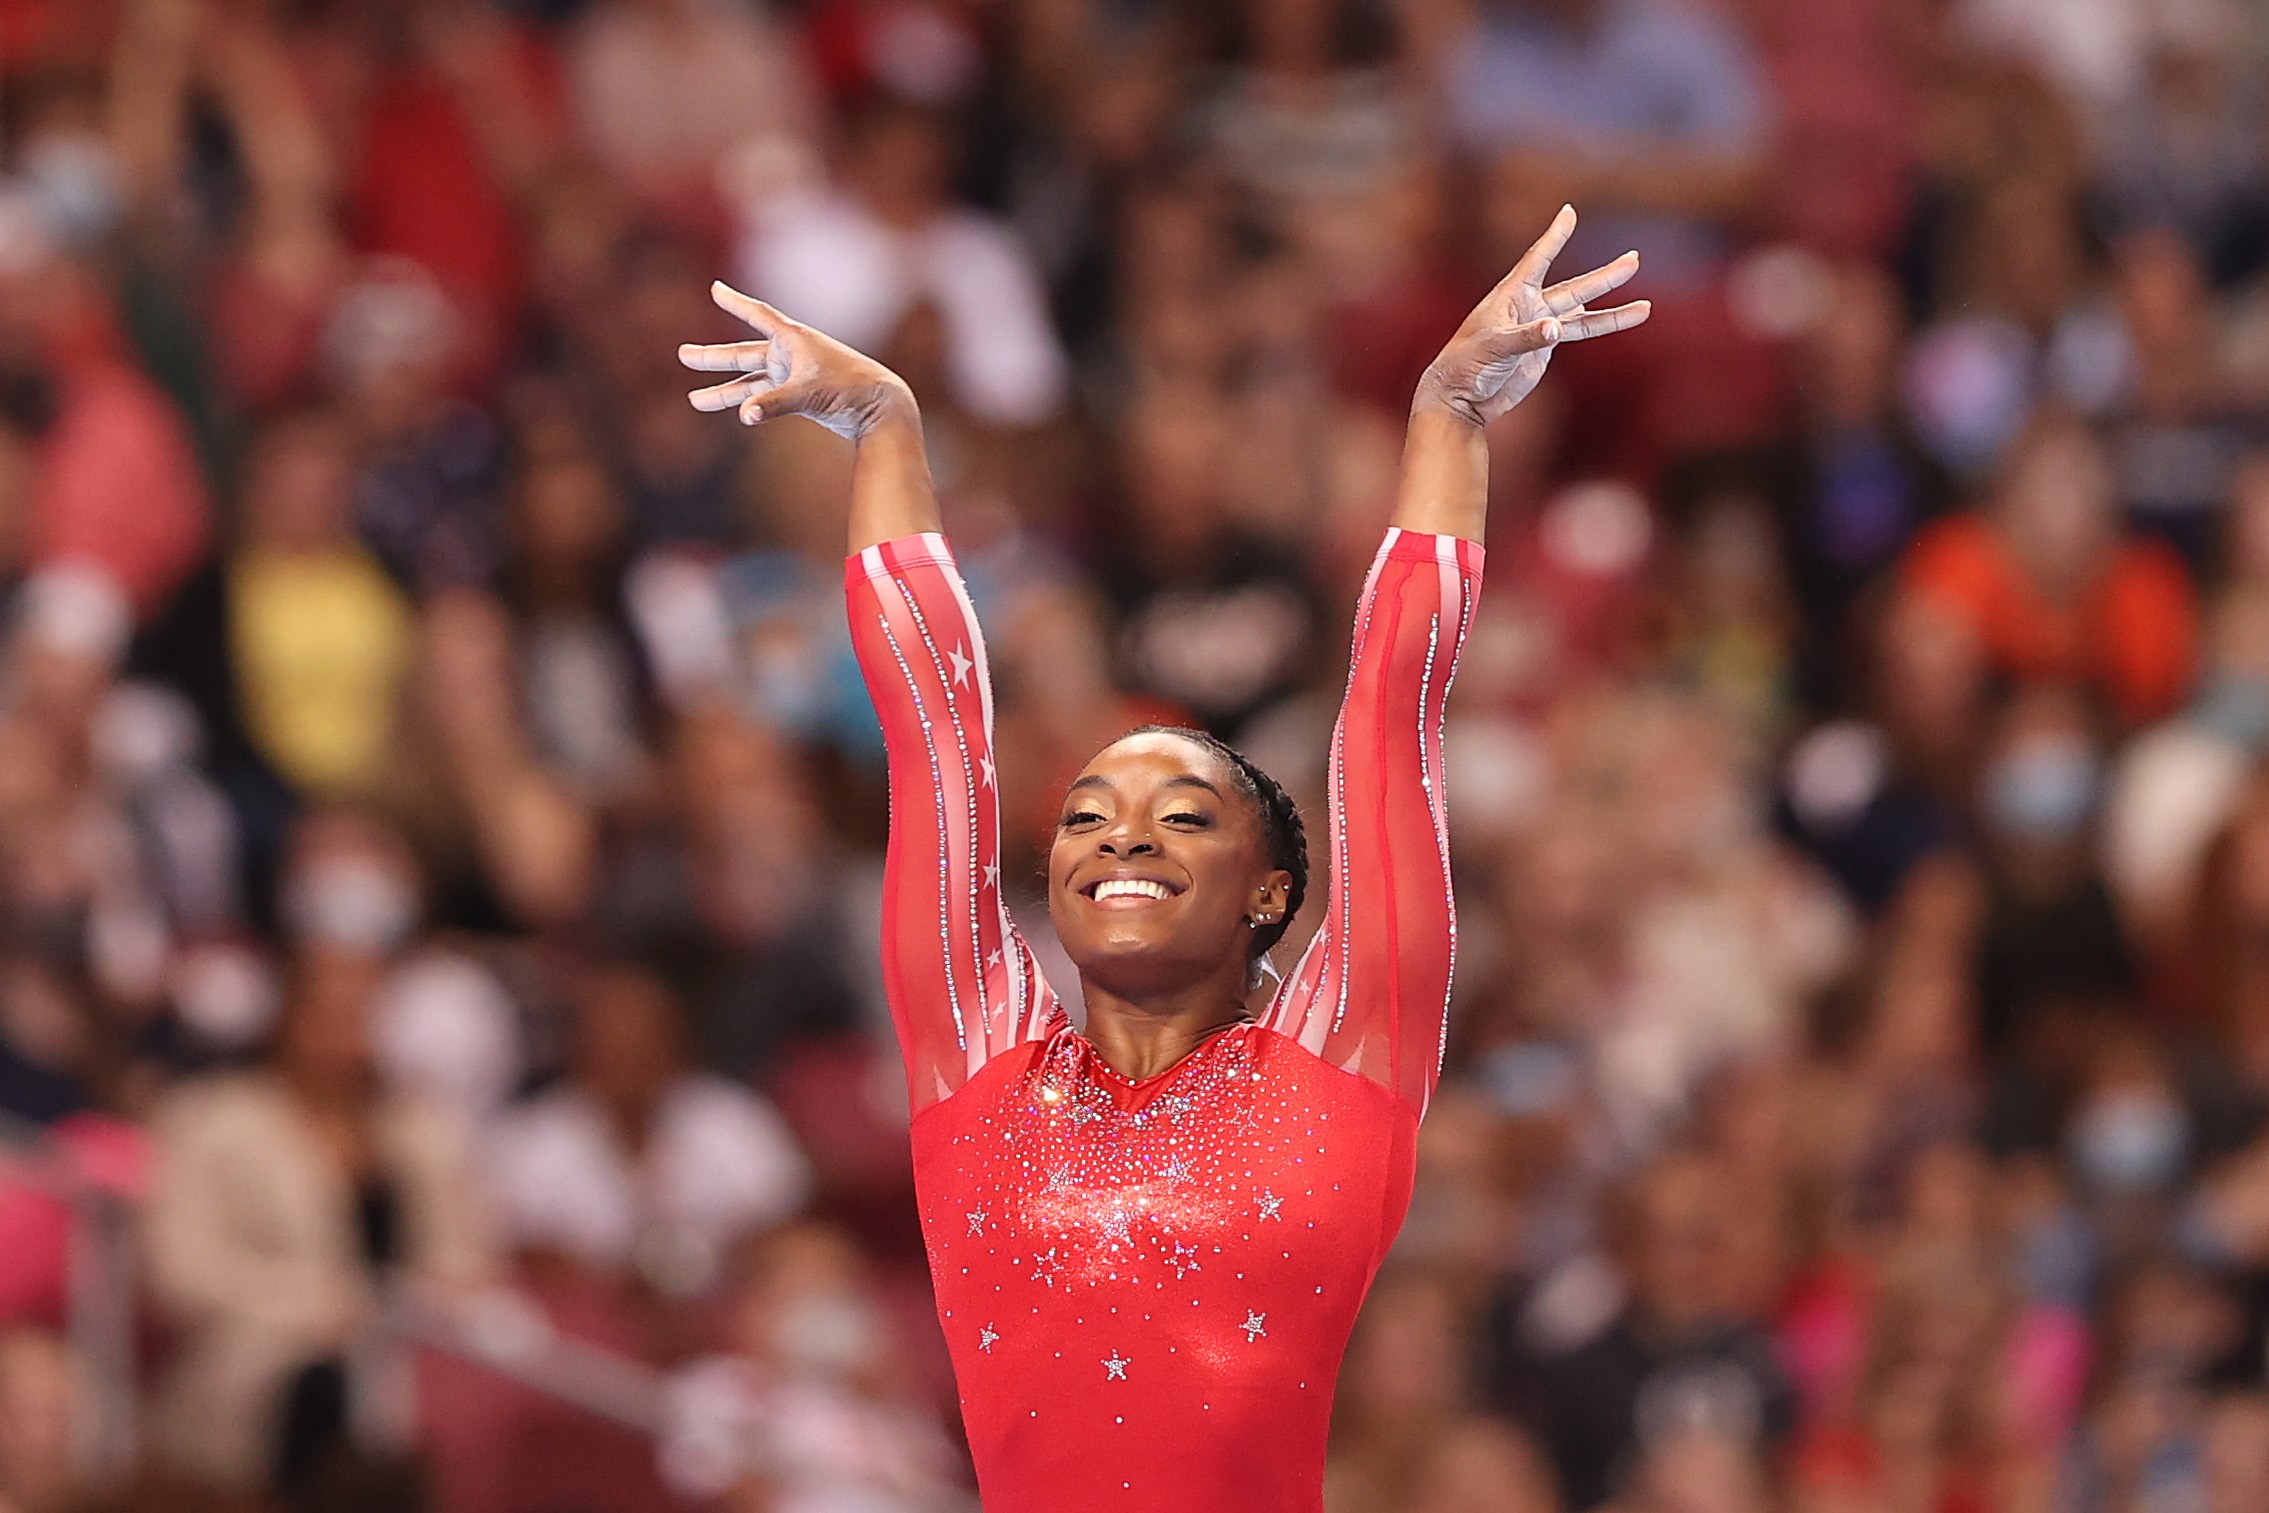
{"points": [[1140, 1036]]}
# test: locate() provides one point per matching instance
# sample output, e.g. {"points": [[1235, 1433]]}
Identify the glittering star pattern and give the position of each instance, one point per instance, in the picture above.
{"points": [[986, 1338], [976, 1221], [1115, 1367], [1115, 1222], [1254, 1326], [1269, 1203]]}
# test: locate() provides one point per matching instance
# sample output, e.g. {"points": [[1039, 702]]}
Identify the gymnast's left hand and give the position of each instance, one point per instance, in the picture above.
{"points": [[1500, 353], [791, 369]]}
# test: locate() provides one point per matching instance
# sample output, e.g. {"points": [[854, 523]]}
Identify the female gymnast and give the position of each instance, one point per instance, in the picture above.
{"points": [[1149, 1240]]}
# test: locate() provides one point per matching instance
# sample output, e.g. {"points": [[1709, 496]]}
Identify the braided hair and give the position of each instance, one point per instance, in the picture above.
{"points": [[1281, 830]]}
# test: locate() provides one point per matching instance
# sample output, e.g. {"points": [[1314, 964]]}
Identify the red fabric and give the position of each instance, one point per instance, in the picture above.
{"points": [[35, 1263], [423, 188], [1147, 1287], [2133, 634], [1849, 1461], [119, 483]]}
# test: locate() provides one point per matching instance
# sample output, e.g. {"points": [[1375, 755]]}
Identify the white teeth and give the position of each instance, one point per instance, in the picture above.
{"points": [[1130, 887]]}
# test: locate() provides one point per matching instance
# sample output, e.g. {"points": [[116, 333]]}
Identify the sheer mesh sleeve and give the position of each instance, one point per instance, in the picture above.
{"points": [[1371, 995], [962, 985]]}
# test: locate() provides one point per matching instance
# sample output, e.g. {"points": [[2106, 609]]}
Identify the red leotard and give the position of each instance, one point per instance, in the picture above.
{"points": [[1147, 1286]]}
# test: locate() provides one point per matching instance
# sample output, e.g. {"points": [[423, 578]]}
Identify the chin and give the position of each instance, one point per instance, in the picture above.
{"points": [[1132, 963]]}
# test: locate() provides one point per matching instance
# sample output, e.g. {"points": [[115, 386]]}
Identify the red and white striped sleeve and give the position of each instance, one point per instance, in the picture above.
{"points": [[1371, 994], [962, 985]]}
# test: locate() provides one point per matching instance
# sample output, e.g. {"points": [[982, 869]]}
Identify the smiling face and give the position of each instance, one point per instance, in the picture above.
{"points": [[1159, 863]]}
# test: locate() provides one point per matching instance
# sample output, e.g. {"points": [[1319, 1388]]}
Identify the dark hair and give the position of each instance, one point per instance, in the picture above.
{"points": [[1281, 830]]}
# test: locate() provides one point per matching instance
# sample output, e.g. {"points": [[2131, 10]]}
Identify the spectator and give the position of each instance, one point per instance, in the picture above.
{"points": [[637, 1162], [1677, 1359], [287, 1200], [2046, 585], [1653, 114], [888, 243]]}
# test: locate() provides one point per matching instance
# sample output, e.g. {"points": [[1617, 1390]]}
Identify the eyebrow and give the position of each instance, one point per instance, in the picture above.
{"points": [[1183, 780]]}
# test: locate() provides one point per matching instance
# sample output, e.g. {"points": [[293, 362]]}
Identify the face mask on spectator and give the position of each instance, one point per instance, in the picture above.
{"points": [[350, 901], [829, 1334], [2042, 791], [2132, 1141], [74, 176], [2235, 708]]}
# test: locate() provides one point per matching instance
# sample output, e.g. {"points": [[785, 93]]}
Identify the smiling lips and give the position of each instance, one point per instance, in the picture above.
{"points": [[1130, 890]]}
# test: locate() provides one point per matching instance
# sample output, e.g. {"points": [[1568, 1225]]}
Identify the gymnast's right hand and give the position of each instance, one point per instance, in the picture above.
{"points": [[790, 369]]}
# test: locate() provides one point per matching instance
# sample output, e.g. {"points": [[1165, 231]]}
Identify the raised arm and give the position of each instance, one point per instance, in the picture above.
{"points": [[1493, 363], [961, 983], [1372, 993]]}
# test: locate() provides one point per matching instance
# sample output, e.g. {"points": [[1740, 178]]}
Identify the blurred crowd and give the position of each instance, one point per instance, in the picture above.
{"points": [[440, 823]]}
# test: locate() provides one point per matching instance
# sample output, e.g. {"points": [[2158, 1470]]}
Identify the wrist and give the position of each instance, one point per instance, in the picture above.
{"points": [[892, 415], [1438, 402]]}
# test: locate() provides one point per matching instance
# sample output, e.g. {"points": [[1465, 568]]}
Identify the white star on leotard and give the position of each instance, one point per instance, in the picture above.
{"points": [[961, 661], [985, 1338], [1253, 1326], [986, 762], [1184, 1260], [976, 1221], [1115, 1367], [1269, 1203], [1050, 1266]]}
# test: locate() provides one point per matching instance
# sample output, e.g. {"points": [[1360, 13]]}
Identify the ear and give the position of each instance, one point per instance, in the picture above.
{"points": [[1268, 902]]}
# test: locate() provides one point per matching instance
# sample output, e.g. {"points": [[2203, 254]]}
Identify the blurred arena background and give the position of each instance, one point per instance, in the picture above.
{"points": [[441, 1063]]}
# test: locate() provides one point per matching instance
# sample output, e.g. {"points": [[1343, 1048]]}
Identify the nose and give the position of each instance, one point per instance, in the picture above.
{"points": [[1127, 839]]}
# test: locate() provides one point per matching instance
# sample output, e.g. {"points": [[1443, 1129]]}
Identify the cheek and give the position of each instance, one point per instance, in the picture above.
{"points": [[1063, 854]]}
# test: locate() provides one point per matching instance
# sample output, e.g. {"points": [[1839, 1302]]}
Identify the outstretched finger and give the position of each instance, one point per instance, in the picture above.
{"points": [[725, 357], [1537, 261], [760, 316], [1586, 324], [1575, 293], [726, 395]]}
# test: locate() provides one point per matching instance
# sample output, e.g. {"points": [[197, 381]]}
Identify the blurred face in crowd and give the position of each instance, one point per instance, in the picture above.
{"points": [[1481, 1466], [1854, 350], [567, 516], [38, 1405], [2056, 510], [296, 497], [2236, 1454], [629, 1042], [1160, 864], [325, 1045], [900, 161], [1175, 442], [807, 1309], [1680, 1245]]}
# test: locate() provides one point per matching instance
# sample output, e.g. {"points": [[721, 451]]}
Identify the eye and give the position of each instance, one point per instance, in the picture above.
{"points": [[1188, 820], [1078, 817]]}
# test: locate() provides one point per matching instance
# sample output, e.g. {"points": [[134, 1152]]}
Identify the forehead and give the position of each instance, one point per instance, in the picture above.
{"points": [[1155, 755]]}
